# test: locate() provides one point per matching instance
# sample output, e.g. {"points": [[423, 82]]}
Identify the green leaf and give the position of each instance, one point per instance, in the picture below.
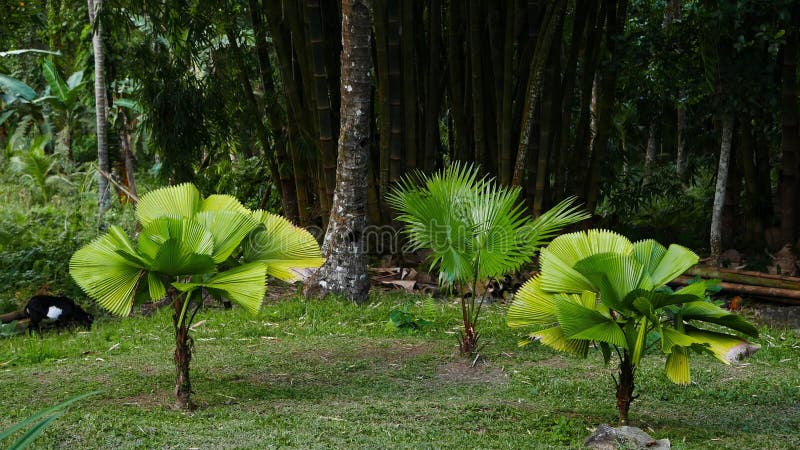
{"points": [[155, 287], [558, 276], [228, 229], [675, 262], [17, 88], [640, 342], [175, 258], [244, 285], [182, 200], [14, 428], [57, 85], [649, 253], [573, 247], [75, 80], [677, 366], [672, 338], [105, 275], [531, 306], [282, 247], [708, 312], [615, 276], [555, 339], [579, 322], [724, 347], [218, 202]]}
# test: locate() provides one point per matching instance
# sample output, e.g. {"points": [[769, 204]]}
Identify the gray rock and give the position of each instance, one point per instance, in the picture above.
{"points": [[606, 437]]}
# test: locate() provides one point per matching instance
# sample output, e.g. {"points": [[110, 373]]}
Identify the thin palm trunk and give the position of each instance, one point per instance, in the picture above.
{"points": [[101, 106], [625, 387], [183, 352]]}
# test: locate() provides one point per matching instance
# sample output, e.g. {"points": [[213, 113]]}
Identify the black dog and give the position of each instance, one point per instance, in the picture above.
{"points": [[60, 310]]}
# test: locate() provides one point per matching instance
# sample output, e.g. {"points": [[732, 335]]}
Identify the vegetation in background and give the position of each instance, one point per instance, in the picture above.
{"points": [[597, 287], [475, 230]]}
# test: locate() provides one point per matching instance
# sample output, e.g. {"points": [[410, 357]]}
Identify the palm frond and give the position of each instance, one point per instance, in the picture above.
{"points": [[675, 261], [579, 322], [559, 276], [244, 285], [219, 202], [677, 366], [228, 229], [555, 339], [724, 347], [549, 223], [708, 312], [182, 200], [531, 306], [615, 276], [282, 247], [573, 247], [105, 275]]}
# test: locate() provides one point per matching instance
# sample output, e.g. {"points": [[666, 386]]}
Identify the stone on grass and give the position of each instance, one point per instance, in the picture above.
{"points": [[606, 437]]}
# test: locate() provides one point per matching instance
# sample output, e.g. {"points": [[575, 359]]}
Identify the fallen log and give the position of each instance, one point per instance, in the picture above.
{"points": [[12, 316], [787, 296], [746, 277]]}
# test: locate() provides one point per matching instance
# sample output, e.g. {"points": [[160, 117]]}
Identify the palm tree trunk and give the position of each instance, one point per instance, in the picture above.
{"points": [[719, 193], [101, 106], [625, 386], [183, 354], [345, 269]]}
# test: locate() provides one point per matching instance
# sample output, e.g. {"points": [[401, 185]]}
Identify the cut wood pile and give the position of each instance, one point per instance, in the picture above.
{"points": [[773, 287]]}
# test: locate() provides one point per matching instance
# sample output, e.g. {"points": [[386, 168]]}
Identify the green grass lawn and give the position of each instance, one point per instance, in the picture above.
{"points": [[329, 374]]}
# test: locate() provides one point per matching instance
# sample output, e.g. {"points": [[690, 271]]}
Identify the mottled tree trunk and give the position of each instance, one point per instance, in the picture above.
{"points": [[345, 269], [650, 152], [719, 193], [101, 106]]}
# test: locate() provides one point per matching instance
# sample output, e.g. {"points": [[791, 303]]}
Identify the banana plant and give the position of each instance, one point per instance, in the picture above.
{"points": [[475, 230], [189, 243], [596, 287], [39, 168]]}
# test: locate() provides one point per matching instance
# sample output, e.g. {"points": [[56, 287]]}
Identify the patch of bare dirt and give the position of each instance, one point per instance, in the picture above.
{"points": [[462, 371]]}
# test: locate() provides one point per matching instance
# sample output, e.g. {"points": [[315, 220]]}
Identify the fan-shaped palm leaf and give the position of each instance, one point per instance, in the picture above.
{"points": [[105, 275], [532, 306], [243, 285], [283, 248], [228, 229], [182, 200]]}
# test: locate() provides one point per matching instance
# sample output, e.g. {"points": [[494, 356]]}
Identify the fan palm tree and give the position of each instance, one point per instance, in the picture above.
{"points": [[187, 243], [598, 287], [475, 230]]}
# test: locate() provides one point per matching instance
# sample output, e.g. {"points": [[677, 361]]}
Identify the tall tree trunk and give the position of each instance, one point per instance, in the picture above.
{"points": [[345, 269], [275, 116], [101, 106], [550, 23], [650, 152], [456, 87], [396, 151], [790, 134], [719, 192], [129, 161], [504, 119], [327, 130], [435, 81], [680, 154], [408, 62], [617, 13]]}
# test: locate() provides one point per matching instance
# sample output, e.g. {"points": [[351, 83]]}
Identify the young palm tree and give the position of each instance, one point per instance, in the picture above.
{"points": [[475, 230], [187, 243], [598, 287]]}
